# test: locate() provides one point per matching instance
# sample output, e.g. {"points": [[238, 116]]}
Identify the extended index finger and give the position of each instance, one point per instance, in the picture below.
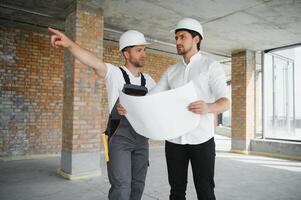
{"points": [[54, 31]]}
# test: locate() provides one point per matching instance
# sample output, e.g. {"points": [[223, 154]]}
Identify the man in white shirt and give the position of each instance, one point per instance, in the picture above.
{"points": [[128, 151], [196, 146]]}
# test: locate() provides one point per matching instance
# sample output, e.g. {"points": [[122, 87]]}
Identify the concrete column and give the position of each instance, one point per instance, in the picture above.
{"points": [[243, 99], [80, 156]]}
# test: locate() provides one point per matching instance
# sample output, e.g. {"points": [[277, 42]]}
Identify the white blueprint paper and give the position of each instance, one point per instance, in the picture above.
{"points": [[164, 115]]}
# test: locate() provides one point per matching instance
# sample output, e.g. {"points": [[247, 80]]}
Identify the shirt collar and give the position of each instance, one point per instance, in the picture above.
{"points": [[194, 57]]}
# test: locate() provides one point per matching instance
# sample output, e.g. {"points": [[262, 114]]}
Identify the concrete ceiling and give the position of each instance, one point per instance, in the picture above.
{"points": [[228, 25], [41, 13]]}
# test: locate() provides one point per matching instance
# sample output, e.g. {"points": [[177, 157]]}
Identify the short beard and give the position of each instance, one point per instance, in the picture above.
{"points": [[137, 64], [183, 51]]}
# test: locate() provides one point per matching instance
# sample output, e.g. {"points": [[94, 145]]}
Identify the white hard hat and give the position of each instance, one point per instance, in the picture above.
{"points": [[131, 38], [190, 24]]}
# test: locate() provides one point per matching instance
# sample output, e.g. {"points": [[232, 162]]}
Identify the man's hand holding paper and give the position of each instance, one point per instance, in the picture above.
{"points": [[161, 116]]}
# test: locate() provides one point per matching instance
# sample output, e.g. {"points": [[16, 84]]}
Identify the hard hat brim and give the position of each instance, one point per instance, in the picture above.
{"points": [[145, 43], [173, 31]]}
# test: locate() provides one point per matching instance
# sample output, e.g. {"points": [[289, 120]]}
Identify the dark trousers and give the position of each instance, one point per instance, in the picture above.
{"points": [[202, 158]]}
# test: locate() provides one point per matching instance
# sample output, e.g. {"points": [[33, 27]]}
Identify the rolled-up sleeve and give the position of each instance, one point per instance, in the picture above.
{"points": [[218, 81]]}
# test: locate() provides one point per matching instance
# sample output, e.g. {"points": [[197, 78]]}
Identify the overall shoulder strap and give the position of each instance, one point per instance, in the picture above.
{"points": [[143, 81], [125, 76]]}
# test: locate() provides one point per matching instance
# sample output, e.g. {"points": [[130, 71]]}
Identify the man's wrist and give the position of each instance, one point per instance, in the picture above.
{"points": [[210, 107]]}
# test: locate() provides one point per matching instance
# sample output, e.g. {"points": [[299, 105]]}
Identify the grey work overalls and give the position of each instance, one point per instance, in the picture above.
{"points": [[128, 152]]}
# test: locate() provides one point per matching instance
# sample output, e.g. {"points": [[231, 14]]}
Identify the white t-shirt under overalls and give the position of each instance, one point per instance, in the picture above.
{"points": [[114, 82]]}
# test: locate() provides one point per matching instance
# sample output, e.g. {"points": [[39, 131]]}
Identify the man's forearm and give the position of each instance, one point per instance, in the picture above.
{"points": [[220, 106], [88, 58]]}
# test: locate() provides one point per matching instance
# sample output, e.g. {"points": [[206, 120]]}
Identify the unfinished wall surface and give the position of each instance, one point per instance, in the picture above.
{"points": [[243, 99], [31, 89], [31, 92]]}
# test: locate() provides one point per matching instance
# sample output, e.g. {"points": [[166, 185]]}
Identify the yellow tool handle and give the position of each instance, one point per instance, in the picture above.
{"points": [[104, 139]]}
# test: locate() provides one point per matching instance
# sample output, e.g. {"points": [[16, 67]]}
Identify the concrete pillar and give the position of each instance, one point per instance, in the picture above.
{"points": [[80, 156], [243, 99]]}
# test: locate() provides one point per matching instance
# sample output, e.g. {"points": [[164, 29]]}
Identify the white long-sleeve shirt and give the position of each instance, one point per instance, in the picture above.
{"points": [[210, 82]]}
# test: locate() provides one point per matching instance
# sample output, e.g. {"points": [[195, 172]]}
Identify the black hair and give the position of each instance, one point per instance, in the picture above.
{"points": [[193, 34]]}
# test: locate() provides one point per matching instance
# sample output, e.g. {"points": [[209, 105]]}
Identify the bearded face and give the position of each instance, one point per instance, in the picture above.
{"points": [[184, 42], [136, 56]]}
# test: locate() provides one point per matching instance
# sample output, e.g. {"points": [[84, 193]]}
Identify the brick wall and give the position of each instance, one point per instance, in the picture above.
{"points": [[31, 90], [243, 103], [31, 85], [239, 92], [81, 114]]}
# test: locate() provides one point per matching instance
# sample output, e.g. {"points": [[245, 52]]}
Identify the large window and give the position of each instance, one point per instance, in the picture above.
{"points": [[282, 94]]}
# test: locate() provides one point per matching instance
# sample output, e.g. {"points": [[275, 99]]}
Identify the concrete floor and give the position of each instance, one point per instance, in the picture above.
{"points": [[237, 177]]}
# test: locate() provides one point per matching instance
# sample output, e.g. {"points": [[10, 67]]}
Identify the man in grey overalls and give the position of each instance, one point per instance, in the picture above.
{"points": [[128, 151]]}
